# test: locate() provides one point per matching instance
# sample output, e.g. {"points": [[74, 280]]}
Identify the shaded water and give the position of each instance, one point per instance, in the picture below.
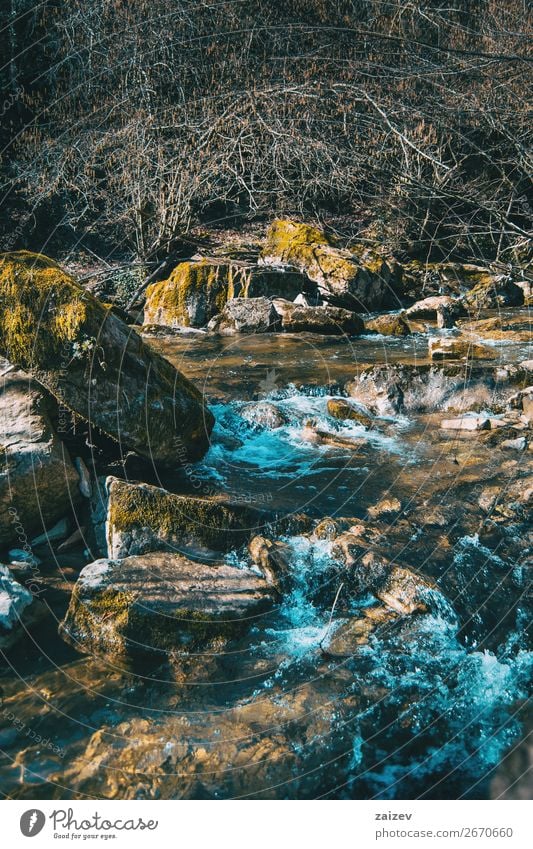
{"points": [[426, 708]]}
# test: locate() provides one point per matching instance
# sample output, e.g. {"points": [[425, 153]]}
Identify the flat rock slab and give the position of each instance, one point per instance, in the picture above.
{"points": [[161, 603], [469, 423]]}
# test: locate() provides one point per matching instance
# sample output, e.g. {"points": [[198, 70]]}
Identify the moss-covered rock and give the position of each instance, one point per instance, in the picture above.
{"points": [[143, 518], [390, 324], [38, 482], [94, 364], [355, 278], [197, 291], [494, 292], [160, 604], [341, 408]]}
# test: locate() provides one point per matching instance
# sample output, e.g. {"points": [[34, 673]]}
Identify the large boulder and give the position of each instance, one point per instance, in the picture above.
{"points": [[94, 364], [38, 482], [354, 278], [161, 603], [246, 315], [143, 518], [197, 291], [328, 320]]}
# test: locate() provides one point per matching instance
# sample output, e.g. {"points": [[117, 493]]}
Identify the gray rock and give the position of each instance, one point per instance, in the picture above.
{"points": [[85, 478], [38, 482], [327, 320], [246, 315], [436, 305], [59, 531], [15, 604], [161, 603]]}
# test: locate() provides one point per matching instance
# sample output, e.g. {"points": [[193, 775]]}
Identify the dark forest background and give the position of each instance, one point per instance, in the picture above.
{"points": [[125, 123]]}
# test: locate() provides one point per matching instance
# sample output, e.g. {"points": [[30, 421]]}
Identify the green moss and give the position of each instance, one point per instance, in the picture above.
{"points": [[84, 620], [42, 309], [213, 282], [176, 517]]}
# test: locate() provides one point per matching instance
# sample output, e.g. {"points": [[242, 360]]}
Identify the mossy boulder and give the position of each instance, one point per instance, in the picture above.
{"points": [[390, 324], [327, 320], [161, 604], [444, 278], [142, 518], [38, 482], [197, 291], [94, 364], [493, 293], [355, 278], [345, 410]]}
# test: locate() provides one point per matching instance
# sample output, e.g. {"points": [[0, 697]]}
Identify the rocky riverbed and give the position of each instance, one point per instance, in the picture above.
{"points": [[270, 535]]}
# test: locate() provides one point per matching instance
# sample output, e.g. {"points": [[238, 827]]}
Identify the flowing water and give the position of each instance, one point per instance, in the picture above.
{"points": [[425, 707]]}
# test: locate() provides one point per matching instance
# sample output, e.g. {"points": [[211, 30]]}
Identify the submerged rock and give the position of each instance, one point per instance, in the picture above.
{"points": [[386, 507], [38, 482], [328, 320], [161, 603], [348, 278], [246, 315], [264, 414], [95, 365], [197, 291], [143, 518]]}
